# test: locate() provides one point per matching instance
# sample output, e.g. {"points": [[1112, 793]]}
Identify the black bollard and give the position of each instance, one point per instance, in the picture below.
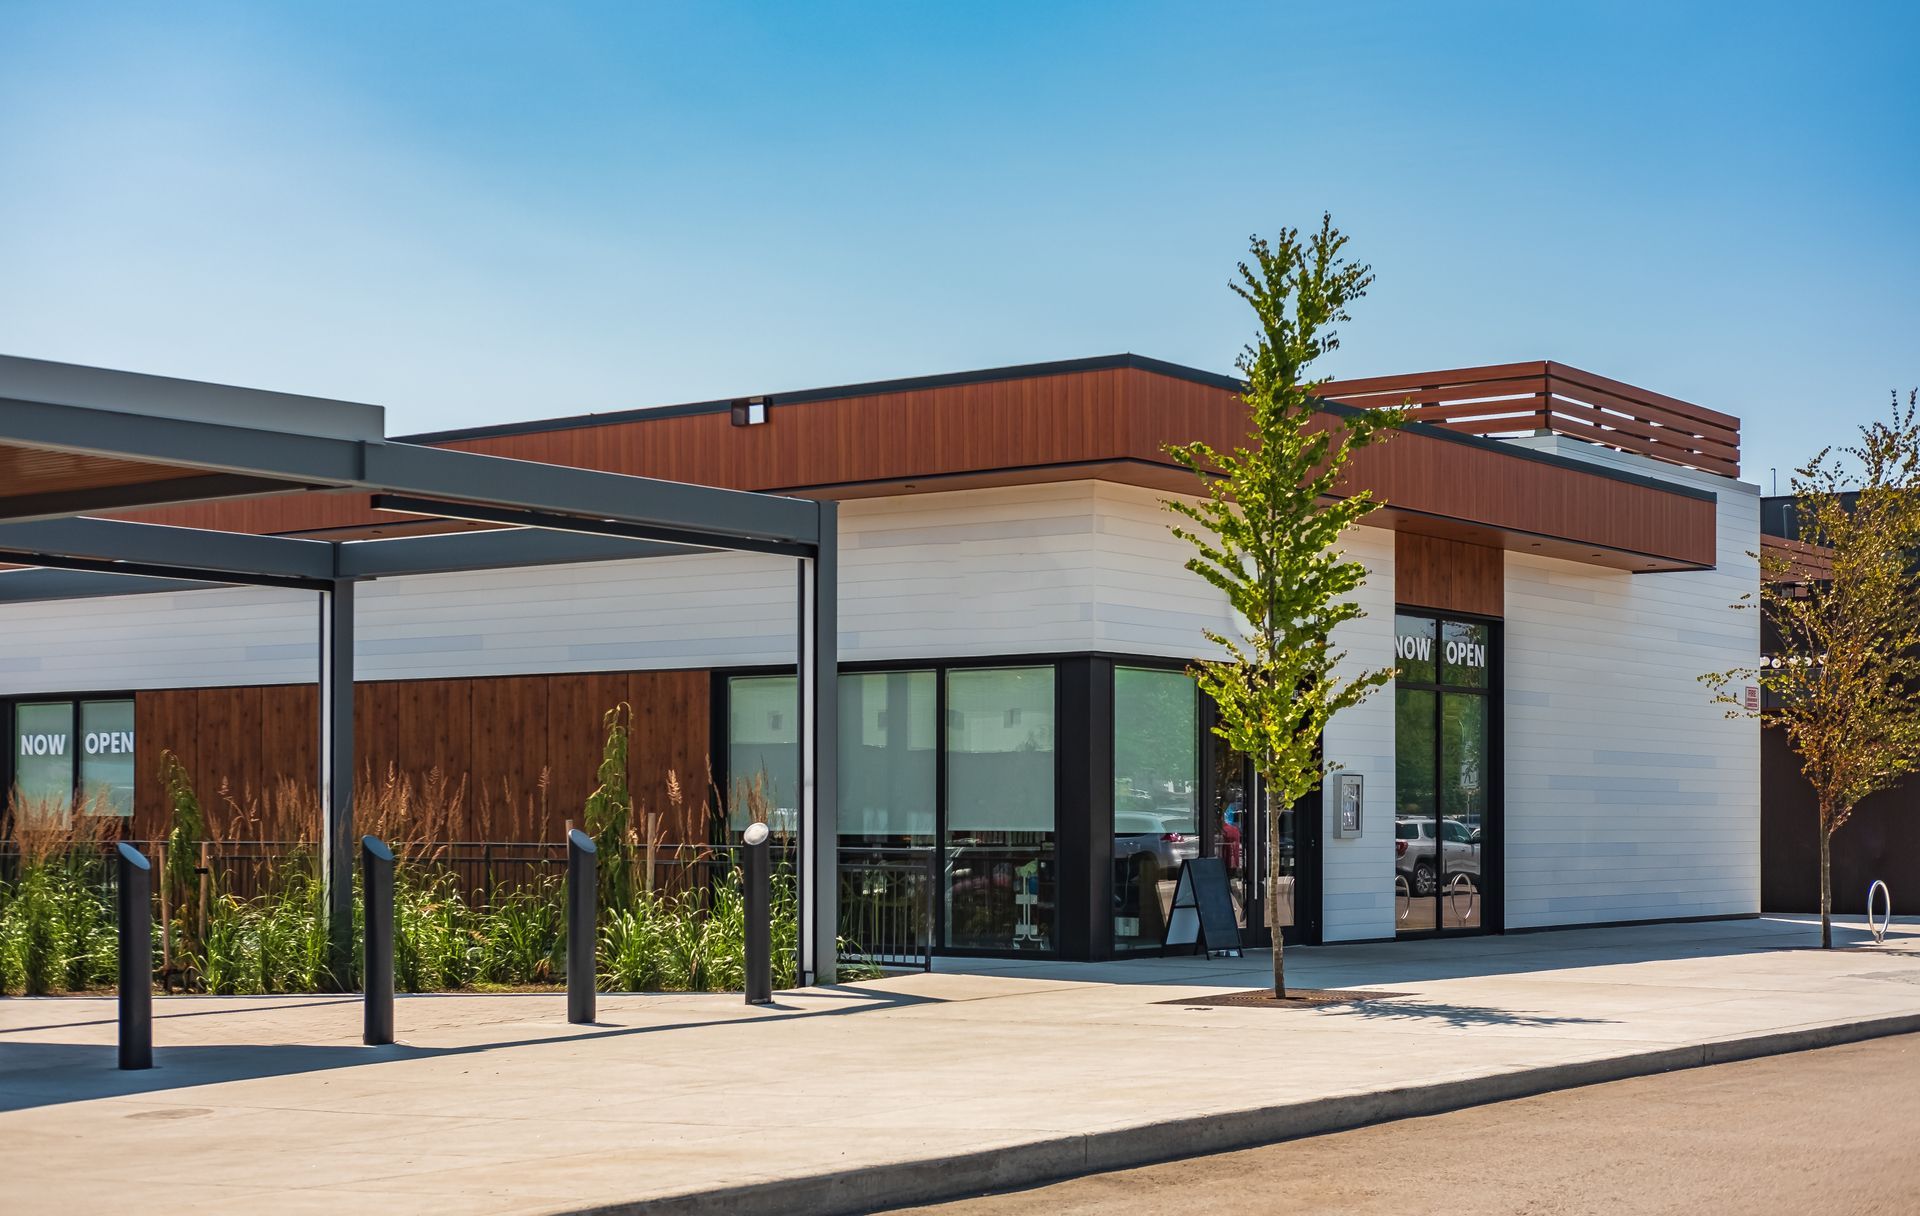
{"points": [[136, 959], [582, 925], [759, 922], [376, 886]]}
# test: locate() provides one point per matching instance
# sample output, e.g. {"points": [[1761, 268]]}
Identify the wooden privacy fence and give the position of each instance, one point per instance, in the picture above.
{"points": [[1517, 398]]}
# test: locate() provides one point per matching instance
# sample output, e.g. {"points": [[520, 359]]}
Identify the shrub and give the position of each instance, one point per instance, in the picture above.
{"points": [[275, 942], [436, 937], [522, 936]]}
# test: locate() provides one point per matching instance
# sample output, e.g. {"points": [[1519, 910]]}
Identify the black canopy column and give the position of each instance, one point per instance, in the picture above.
{"points": [[819, 671], [336, 774]]}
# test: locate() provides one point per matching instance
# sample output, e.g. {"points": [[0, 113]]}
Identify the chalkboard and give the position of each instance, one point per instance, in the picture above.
{"points": [[1202, 912]]}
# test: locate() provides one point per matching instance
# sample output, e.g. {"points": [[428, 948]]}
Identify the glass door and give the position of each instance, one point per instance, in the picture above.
{"points": [[1444, 774], [1236, 833]]}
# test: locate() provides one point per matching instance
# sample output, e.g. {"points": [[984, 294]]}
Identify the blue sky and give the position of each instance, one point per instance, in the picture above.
{"points": [[482, 212]]}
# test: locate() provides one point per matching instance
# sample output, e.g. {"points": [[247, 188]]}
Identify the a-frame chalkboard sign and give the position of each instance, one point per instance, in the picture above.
{"points": [[1202, 911]]}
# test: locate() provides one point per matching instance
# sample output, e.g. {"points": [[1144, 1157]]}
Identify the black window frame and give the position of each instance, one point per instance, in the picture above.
{"points": [[1066, 933], [1492, 899], [9, 705]]}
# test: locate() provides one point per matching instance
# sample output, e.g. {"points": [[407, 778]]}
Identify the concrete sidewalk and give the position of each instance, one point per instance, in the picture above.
{"points": [[847, 1098]]}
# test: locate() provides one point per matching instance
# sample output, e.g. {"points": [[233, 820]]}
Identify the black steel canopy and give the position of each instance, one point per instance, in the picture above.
{"points": [[76, 441]]}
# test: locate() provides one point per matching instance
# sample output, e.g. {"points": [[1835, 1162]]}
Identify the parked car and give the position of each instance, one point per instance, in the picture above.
{"points": [[1413, 851], [1168, 836]]}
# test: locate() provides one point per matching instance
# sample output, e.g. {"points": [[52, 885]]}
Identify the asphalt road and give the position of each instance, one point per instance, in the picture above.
{"points": [[1829, 1131]]}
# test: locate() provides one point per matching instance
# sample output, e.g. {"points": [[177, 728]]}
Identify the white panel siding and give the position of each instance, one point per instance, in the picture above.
{"points": [[1629, 795], [1357, 874], [159, 641]]}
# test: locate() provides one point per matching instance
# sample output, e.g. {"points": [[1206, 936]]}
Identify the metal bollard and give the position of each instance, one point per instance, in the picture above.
{"points": [[759, 922], [376, 886], [136, 959], [582, 925]]}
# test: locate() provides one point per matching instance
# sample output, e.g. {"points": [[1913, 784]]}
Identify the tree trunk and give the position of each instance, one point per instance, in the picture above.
{"points": [[1826, 886], [1273, 897]]}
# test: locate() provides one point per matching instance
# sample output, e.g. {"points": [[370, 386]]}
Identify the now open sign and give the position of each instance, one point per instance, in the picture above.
{"points": [[43, 744]]}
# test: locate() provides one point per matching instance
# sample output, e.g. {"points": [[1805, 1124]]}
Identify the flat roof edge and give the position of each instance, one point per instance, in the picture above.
{"points": [[837, 392]]}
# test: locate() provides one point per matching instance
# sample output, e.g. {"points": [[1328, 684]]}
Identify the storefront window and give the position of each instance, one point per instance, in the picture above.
{"points": [[1000, 808], [887, 754], [763, 736], [43, 755], [106, 757], [889, 744], [998, 739], [1155, 779], [1442, 772]]}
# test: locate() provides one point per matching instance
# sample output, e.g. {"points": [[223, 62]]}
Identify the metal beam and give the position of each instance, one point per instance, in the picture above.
{"points": [[182, 442], [167, 491], [134, 571], [503, 549], [499, 549], [159, 545], [709, 513], [138, 393], [515, 517]]}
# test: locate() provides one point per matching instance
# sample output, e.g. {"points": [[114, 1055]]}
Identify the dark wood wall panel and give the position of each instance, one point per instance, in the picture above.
{"points": [[1110, 423], [671, 715], [238, 746], [434, 725], [1880, 841], [162, 721], [1431, 572], [576, 707], [290, 748], [511, 756], [526, 749]]}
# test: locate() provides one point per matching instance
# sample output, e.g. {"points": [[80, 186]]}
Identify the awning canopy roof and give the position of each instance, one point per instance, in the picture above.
{"points": [[76, 442]]}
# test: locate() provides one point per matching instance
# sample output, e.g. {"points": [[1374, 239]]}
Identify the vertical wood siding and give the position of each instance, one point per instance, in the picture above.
{"points": [[526, 749], [1448, 575]]}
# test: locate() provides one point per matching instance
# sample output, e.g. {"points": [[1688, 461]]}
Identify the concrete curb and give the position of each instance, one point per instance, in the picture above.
{"points": [[931, 1181]]}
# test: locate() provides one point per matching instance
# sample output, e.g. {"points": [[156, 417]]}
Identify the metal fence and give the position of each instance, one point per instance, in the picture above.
{"points": [[886, 906]]}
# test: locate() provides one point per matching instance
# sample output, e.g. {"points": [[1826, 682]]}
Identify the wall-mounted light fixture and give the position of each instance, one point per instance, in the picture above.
{"points": [[750, 411]]}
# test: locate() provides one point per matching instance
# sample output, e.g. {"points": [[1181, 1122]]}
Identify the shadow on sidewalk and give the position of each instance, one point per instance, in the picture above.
{"points": [[1461, 1016], [36, 1074]]}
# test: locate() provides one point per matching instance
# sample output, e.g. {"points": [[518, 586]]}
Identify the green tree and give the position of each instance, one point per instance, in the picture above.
{"points": [[1266, 524], [1844, 605]]}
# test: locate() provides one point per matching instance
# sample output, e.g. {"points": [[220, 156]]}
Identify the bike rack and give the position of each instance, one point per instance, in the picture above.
{"points": [[1453, 897], [1880, 931], [1403, 895]]}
